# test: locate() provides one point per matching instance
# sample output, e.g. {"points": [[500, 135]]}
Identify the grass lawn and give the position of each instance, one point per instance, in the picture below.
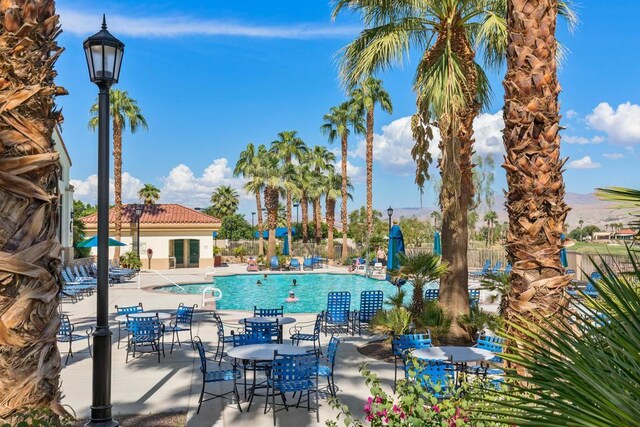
{"points": [[602, 248]]}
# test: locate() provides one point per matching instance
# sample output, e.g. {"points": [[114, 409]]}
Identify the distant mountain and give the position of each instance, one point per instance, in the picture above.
{"points": [[583, 206]]}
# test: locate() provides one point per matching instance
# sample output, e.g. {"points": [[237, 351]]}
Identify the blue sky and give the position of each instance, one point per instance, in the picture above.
{"points": [[213, 76]]}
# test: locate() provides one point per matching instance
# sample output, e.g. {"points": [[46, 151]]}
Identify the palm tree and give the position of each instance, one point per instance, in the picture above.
{"points": [[332, 184], [437, 219], [319, 161], [224, 201], [29, 359], [303, 187], [271, 173], [248, 165], [535, 198], [149, 194], [122, 110], [365, 97], [289, 146], [490, 218], [337, 125]]}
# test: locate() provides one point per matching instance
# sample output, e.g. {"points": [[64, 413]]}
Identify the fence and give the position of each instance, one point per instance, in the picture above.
{"points": [[297, 248]]}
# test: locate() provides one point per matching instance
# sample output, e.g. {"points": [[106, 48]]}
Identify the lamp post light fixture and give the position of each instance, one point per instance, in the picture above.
{"points": [[138, 210], [104, 58], [390, 213]]}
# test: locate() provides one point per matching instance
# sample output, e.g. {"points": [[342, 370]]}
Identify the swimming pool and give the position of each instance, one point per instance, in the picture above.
{"points": [[240, 292]]}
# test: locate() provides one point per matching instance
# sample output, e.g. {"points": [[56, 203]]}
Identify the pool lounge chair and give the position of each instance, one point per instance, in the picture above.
{"points": [[275, 264], [484, 271], [336, 316], [252, 265], [378, 268], [294, 264], [496, 268], [307, 264]]}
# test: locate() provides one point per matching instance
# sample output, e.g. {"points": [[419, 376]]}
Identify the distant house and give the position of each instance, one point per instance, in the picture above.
{"points": [[178, 236], [601, 236], [625, 234], [65, 202]]}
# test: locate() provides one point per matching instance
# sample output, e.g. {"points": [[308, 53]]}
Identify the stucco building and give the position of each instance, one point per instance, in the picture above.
{"points": [[65, 202], [178, 236]]}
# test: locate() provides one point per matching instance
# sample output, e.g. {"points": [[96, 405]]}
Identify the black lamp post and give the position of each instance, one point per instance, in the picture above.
{"points": [[138, 210], [104, 57], [390, 213]]}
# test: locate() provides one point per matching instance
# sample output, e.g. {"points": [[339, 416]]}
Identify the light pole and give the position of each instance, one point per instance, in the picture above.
{"points": [[104, 58], [297, 205], [390, 213], [139, 208]]}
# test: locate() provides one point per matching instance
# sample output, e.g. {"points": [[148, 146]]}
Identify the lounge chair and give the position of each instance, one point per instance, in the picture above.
{"points": [[294, 264], [431, 294], [307, 264], [361, 265], [484, 271], [275, 264], [252, 265], [370, 304], [336, 316], [378, 268], [496, 268]]}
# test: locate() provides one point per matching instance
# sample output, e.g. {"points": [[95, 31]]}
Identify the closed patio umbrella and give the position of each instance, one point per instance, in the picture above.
{"points": [[437, 244], [92, 242], [396, 245], [285, 246]]}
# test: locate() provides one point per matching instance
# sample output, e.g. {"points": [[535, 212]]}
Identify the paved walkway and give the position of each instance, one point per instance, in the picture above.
{"points": [[144, 386]]}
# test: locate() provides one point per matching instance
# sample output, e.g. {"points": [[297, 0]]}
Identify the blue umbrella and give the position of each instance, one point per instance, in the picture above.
{"points": [[563, 254], [396, 245], [285, 246], [93, 243], [437, 244], [280, 232]]}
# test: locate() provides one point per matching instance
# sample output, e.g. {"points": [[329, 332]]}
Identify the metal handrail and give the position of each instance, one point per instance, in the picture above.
{"points": [[214, 297], [161, 275]]}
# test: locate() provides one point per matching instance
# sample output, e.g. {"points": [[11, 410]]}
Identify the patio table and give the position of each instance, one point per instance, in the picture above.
{"points": [[161, 316], [279, 320], [454, 353]]}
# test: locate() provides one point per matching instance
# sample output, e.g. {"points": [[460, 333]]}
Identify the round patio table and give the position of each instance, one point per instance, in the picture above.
{"points": [[454, 353], [263, 352], [161, 316], [279, 320]]}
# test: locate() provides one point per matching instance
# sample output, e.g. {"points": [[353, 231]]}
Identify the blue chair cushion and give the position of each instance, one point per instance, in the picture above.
{"points": [[222, 375], [324, 371]]}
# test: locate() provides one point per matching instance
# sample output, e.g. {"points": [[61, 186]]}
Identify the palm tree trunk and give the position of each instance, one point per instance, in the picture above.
{"points": [[369, 161], [271, 200], [304, 204], [317, 220], [259, 212], [117, 181], [535, 198], [289, 207], [343, 211], [330, 206], [29, 173]]}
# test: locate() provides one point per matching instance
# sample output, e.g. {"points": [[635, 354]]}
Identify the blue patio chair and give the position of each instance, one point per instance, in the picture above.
{"points": [[127, 310], [145, 333], [307, 264], [317, 261], [83, 271], [474, 298], [336, 316], [294, 264], [507, 269], [326, 369], [274, 263], [590, 290], [222, 338], [66, 334], [268, 312], [215, 377], [402, 343], [496, 268], [370, 304], [495, 345], [182, 323], [83, 277], [243, 339], [270, 330], [431, 294], [296, 374], [297, 335], [435, 376], [484, 271]]}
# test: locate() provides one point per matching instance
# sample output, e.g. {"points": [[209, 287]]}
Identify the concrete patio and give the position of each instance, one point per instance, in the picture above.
{"points": [[144, 386]]}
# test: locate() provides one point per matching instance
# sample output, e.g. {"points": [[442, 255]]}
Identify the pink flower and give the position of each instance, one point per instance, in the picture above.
{"points": [[370, 399], [367, 408], [395, 409], [435, 408], [378, 399], [369, 418]]}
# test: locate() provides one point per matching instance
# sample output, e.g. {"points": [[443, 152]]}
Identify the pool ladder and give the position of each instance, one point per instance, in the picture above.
{"points": [[209, 296]]}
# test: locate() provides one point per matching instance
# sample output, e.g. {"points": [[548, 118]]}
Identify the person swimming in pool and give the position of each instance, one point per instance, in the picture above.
{"points": [[264, 277], [294, 283], [259, 283], [292, 297]]}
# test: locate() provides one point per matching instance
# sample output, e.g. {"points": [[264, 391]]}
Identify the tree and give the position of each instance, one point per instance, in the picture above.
{"points": [[535, 198], [224, 201], [581, 222], [590, 229], [437, 219], [472, 220], [320, 161], [365, 97], [235, 227], [332, 185], [415, 232], [29, 358], [288, 147], [483, 178], [248, 165], [337, 124], [123, 110], [358, 226], [149, 194], [490, 218], [303, 186], [81, 210], [271, 173]]}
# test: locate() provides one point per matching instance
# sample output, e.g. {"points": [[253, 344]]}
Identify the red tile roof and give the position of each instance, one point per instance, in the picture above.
{"points": [[158, 214], [626, 231]]}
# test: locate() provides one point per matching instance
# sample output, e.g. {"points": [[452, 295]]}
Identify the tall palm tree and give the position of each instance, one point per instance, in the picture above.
{"points": [[248, 165], [490, 218], [123, 110], [303, 187], [29, 358], [332, 185], [338, 124], [289, 147], [365, 97], [224, 201], [319, 160], [271, 173], [535, 199], [149, 194]]}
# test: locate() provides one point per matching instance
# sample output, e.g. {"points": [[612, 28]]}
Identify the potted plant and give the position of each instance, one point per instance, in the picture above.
{"points": [[217, 258]]}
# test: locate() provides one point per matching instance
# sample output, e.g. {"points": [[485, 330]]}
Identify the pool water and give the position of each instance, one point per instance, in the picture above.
{"points": [[240, 292]]}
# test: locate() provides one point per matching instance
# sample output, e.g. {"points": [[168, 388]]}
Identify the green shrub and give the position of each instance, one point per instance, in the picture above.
{"points": [[434, 318], [130, 259], [240, 252], [391, 322]]}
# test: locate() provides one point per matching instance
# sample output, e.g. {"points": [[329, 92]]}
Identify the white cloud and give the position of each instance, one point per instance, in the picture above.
{"points": [[84, 23], [355, 173], [87, 190], [621, 125], [613, 156], [583, 163], [570, 114], [581, 140], [181, 185], [487, 130]]}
